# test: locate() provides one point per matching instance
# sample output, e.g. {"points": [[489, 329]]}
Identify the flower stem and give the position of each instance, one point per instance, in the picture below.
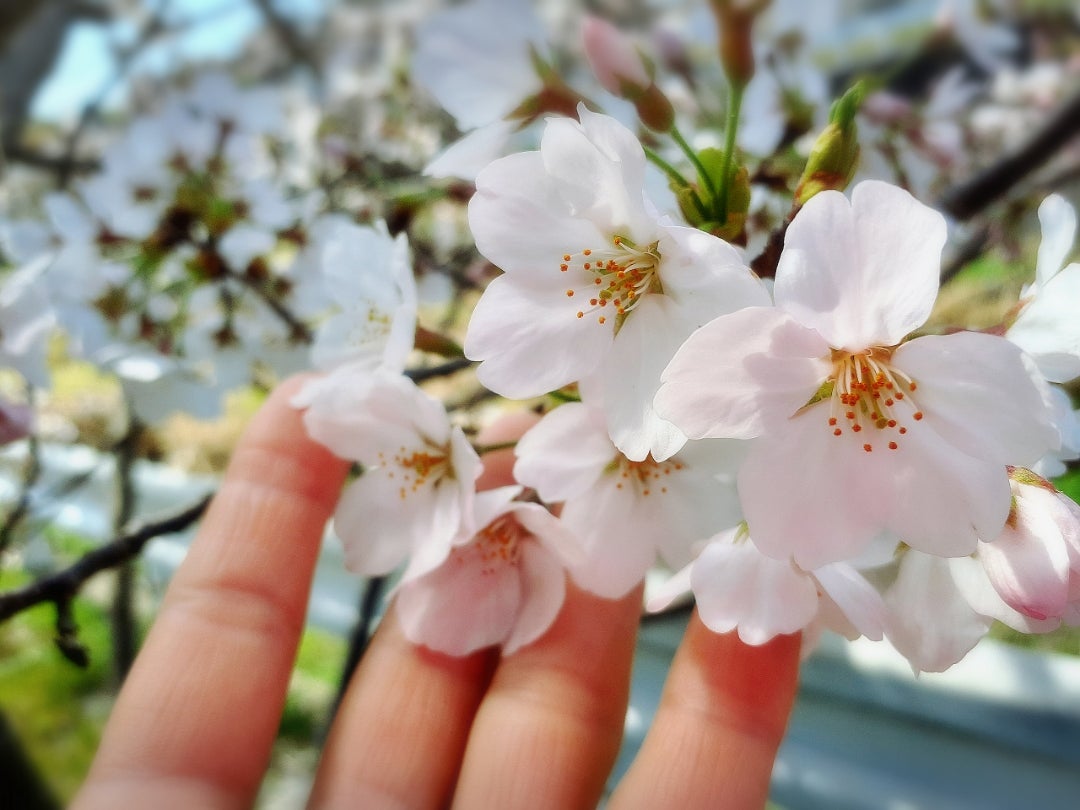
{"points": [[484, 449], [729, 148], [691, 155], [676, 177]]}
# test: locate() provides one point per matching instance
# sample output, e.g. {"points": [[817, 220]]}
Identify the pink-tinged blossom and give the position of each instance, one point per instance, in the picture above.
{"points": [[626, 512], [738, 588], [614, 58], [594, 283], [855, 431], [416, 491], [1047, 327], [502, 585], [1033, 561]]}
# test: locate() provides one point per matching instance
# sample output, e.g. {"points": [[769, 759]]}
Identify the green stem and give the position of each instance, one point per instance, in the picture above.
{"points": [[676, 177], [691, 155], [484, 449], [731, 130]]}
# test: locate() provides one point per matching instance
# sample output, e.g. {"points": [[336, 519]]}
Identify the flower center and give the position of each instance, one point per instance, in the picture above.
{"points": [[612, 280], [499, 543], [416, 468], [648, 477], [870, 397]]}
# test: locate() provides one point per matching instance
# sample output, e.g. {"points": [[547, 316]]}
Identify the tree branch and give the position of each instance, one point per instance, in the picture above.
{"points": [[969, 198], [64, 584]]}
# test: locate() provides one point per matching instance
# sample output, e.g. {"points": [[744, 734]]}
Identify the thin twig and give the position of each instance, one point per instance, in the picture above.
{"points": [[66, 583], [969, 198], [443, 370]]}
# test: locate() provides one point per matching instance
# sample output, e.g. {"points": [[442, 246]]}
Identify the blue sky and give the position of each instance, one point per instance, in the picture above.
{"points": [[86, 63]]}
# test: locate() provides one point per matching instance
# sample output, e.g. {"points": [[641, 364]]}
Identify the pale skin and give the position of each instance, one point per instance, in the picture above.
{"points": [[194, 724]]}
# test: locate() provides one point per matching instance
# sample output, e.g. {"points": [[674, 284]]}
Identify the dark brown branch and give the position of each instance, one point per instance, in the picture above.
{"points": [[442, 370], [61, 164], [62, 585], [969, 198]]}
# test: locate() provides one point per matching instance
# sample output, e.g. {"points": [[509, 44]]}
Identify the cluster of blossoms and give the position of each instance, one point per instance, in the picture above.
{"points": [[798, 453], [799, 444]]}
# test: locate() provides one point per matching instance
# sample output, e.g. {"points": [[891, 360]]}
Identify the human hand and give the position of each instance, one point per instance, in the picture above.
{"points": [[196, 719]]}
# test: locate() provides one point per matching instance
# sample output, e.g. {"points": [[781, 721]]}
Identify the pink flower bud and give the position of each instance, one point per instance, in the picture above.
{"points": [[614, 58]]}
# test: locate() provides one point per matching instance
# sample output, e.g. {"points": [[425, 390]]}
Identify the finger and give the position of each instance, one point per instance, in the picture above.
{"points": [[401, 729], [194, 723], [549, 728], [399, 734], [720, 721]]}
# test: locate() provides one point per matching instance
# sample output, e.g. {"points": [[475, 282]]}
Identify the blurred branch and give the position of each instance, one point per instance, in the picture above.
{"points": [[287, 33], [64, 584], [418, 375], [969, 198]]}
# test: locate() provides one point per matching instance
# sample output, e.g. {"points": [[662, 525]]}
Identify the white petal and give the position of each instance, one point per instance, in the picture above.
{"points": [[466, 157], [1057, 218], [865, 273], [977, 393], [737, 587], [564, 453], [854, 599], [810, 495], [521, 223], [1048, 328], [670, 590], [970, 579], [931, 624], [648, 339], [529, 339], [742, 373], [599, 167]]}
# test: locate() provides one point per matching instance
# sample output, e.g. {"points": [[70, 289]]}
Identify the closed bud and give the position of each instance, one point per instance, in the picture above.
{"points": [[835, 153], [735, 19]]}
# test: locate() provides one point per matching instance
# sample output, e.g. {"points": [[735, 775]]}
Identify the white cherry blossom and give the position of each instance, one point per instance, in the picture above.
{"points": [[594, 283], [416, 492], [855, 431], [626, 512]]}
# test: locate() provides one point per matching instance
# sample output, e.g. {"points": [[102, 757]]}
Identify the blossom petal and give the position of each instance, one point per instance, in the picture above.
{"points": [[649, 338], [519, 220], [971, 580], [1028, 563], [1057, 218], [599, 167], [742, 373], [737, 587], [461, 606], [863, 273], [931, 623], [515, 323], [847, 593], [543, 591], [564, 453], [1048, 328], [976, 391]]}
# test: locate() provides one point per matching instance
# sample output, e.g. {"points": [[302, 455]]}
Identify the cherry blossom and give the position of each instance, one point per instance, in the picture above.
{"points": [[416, 492], [594, 283], [502, 585], [626, 512], [736, 587], [856, 431], [26, 320]]}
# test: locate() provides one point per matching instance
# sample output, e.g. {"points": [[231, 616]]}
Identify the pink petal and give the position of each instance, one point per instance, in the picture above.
{"points": [[564, 453], [543, 590]]}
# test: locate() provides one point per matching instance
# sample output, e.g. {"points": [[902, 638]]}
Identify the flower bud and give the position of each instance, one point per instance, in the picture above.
{"points": [[735, 19], [624, 71], [835, 154]]}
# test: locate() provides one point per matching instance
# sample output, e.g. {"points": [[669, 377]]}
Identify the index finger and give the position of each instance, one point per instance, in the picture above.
{"points": [[195, 721]]}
